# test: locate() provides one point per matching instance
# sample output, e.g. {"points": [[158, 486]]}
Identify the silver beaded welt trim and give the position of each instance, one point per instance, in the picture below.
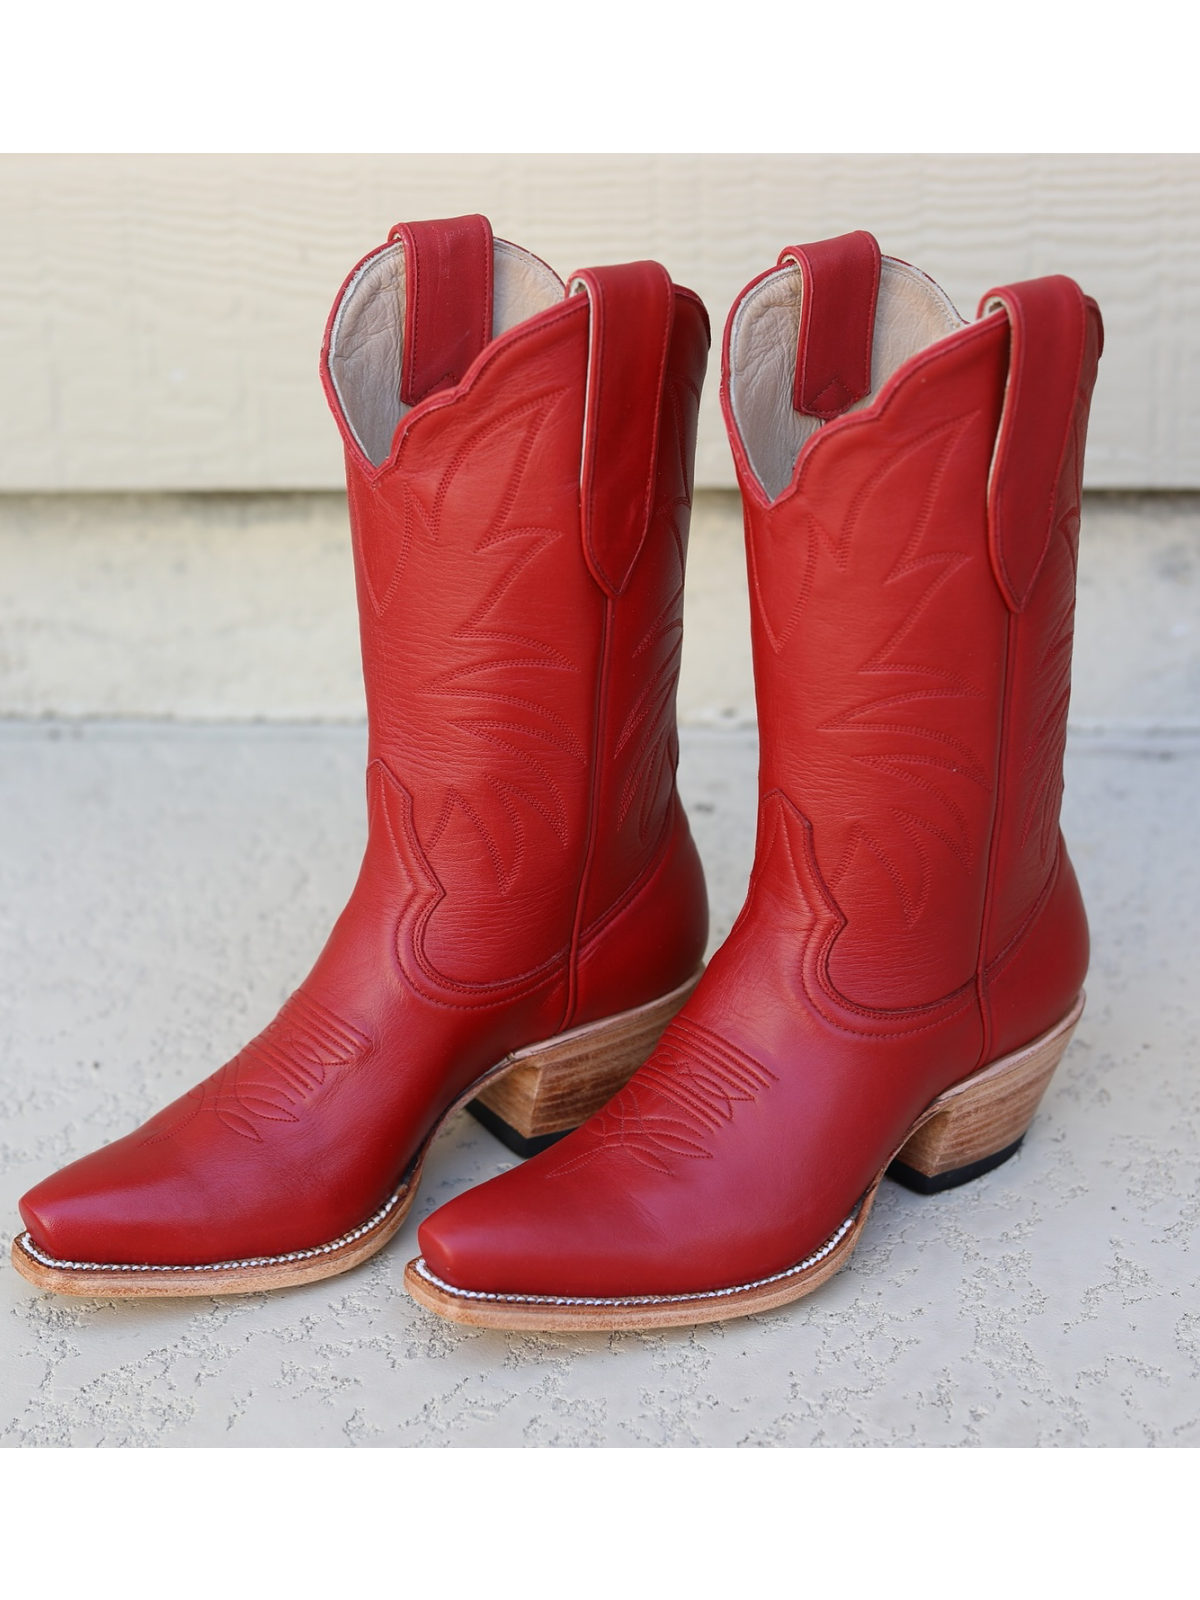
{"points": [[30, 1249], [642, 1299]]}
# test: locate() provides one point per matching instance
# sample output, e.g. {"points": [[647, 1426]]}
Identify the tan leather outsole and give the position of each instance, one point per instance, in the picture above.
{"points": [[984, 1114], [558, 1083]]}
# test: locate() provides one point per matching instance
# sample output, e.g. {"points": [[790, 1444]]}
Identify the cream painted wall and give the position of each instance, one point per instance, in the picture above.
{"points": [[160, 317]]}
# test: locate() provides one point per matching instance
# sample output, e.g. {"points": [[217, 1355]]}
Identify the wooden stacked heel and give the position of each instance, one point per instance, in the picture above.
{"points": [[549, 1089], [965, 1132], [979, 1123]]}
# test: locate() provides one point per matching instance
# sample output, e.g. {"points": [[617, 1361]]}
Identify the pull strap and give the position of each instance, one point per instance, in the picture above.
{"points": [[837, 322], [632, 311], [447, 301], [1047, 319]]}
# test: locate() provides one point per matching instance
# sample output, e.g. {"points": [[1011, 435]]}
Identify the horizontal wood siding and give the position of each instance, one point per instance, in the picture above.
{"points": [[160, 316]]}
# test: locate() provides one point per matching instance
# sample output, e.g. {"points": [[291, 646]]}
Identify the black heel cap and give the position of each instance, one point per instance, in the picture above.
{"points": [[508, 1135], [920, 1184]]}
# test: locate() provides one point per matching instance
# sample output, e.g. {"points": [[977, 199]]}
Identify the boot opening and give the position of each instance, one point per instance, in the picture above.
{"points": [[911, 313], [366, 341]]}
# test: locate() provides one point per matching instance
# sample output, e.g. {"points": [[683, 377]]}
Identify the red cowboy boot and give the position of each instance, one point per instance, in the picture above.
{"points": [[530, 910], [906, 971]]}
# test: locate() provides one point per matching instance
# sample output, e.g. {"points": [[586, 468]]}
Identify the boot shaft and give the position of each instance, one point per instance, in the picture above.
{"points": [[520, 533], [912, 688]]}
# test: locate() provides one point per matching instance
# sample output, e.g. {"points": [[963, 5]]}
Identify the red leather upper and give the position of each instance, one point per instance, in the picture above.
{"points": [[624, 409], [837, 322], [528, 865], [447, 302], [1035, 940], [912, 913]]}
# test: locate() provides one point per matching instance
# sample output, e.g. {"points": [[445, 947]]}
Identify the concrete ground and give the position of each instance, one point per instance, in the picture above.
{"points": [[168, 869]]}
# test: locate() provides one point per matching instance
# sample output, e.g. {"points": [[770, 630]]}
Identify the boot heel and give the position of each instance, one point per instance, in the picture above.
{"points": [[550, 1088], [980, 1123]]}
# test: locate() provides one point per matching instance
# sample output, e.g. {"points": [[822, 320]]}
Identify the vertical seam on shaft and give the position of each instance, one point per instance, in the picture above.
{"points": [[998, 818], [601, 713]]}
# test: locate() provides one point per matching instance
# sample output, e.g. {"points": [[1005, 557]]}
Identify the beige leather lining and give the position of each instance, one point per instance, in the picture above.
{"points": [[911, 313], [366, 344]]}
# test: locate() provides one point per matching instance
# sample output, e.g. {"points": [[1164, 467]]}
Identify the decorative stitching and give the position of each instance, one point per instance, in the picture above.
{"points": [[642, 885], [271, 1077], [840, 396], [895, 1020], [491, 753], [386, 519], [700, 1076], [480, 993], [996, 966], [498, 350], [939, 567]]}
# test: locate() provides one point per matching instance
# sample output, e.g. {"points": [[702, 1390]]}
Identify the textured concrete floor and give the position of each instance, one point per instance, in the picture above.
{"points": [[163, 884], [163, 887]]}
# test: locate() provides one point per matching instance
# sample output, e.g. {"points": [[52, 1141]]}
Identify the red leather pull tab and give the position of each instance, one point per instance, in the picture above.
{"points": [[1047, 320], [632, 310], [837, 322], [447, 301]]}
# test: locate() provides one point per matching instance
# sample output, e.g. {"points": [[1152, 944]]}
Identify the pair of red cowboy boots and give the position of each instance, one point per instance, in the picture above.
{"points": [[530, 914]]}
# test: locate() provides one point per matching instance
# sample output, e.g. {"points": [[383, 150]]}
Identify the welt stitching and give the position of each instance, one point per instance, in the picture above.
{"points": [[340, 1243], [649, 1299]]}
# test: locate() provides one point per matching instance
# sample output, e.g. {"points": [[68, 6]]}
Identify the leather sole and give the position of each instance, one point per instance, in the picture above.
{"points": [[966, 1131], [566, 1077]]}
